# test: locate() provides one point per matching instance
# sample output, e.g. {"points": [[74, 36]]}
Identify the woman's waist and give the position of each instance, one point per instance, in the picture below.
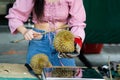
{"points": [[48, 27]]}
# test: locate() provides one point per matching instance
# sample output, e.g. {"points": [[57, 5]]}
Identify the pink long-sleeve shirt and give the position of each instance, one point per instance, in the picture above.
{"points": [[71, 12]]}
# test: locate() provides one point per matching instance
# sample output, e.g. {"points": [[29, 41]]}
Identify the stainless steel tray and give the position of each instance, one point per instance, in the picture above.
{"points": [[63, 73], [71, 79]]}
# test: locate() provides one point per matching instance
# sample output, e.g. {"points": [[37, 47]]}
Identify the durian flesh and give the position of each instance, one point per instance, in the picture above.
{"points": [[38, 62], [64, 41]]}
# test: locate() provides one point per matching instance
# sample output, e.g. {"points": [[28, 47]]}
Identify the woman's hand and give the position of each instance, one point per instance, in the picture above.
{"points": [[30, 34], [78, 46]]}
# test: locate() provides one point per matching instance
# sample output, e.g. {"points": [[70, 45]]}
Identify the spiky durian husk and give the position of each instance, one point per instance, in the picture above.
{"points": [[38, 62], [64, 41]]}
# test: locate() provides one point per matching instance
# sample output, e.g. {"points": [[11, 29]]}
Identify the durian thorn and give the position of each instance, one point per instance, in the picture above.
{"points": [[61, 27]]}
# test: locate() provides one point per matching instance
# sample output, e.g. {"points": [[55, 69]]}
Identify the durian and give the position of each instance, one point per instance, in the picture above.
{"points": [[38, 62], [64, 41]]}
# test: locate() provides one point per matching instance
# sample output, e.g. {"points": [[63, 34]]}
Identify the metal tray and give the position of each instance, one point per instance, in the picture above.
{"points": [[64, 73], [71, 79]]}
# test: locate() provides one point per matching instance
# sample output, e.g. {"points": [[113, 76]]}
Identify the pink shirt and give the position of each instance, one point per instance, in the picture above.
{"points": [[58, 11]]}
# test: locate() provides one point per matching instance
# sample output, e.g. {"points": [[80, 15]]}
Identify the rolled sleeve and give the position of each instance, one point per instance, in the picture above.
{"points": [[77, 18], [19, 14]]}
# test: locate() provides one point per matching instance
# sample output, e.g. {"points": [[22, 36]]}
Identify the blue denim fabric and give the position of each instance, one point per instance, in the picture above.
{"points": [[45, 45]]}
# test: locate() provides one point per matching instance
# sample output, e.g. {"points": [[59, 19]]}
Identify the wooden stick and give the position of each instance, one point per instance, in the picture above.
{"points": [[61, 27], [16, 41]]}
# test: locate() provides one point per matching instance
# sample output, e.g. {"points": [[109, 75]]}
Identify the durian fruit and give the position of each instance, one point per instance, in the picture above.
{"points": [[38, 62], [64, 41]]}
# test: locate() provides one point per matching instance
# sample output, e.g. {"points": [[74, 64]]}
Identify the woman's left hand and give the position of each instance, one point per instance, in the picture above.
{"points": [[78, 46]]}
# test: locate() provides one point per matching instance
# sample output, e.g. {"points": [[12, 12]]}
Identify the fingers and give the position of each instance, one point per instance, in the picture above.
{"points": [[68, 55], [73, 55], [61, 55], [37, 35], [30, 34], [64, 55]]}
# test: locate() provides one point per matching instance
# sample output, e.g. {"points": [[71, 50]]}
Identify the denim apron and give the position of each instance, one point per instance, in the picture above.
{"points": [[45, 46]]}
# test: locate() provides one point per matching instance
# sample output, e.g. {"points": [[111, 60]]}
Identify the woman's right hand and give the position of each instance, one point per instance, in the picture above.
{"points": [[30, 34]]}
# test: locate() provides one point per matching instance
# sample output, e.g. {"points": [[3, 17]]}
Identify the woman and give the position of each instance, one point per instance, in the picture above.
{"points": [[47, 15]]}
